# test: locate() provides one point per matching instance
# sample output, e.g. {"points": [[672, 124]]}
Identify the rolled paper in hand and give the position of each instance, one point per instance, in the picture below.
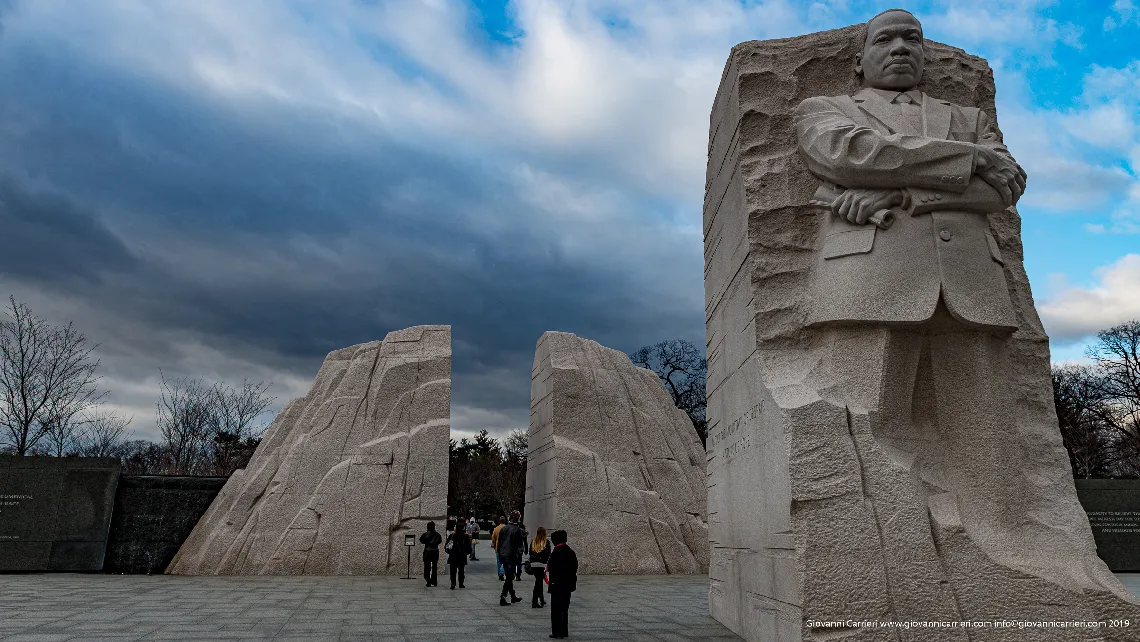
{"points": [[882, 219]]}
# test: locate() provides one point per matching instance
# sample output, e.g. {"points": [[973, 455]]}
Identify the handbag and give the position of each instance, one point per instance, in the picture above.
{"points": [[448, 544]]}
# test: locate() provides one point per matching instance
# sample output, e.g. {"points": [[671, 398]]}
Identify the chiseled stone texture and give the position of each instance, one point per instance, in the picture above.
{"points": [[811, 515], [343, 473], [613, 462]]}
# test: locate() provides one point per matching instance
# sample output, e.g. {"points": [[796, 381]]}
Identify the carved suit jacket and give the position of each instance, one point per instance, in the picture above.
{"points": [[941, 247]]}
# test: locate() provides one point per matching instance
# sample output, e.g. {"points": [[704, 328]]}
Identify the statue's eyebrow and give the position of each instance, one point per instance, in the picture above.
{"points": [[890, 31]]}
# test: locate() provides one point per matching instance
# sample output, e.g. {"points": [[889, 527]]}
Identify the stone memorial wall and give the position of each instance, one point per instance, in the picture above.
{"points": [[55, 512], [1113, 507]]}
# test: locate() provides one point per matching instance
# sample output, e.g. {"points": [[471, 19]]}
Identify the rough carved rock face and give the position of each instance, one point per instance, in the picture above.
{"points": [[814, 513], [342, 473], [613, 462]]}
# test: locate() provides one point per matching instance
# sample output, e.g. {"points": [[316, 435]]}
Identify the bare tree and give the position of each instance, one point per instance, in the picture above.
{"points": [[515, 446], [1117, 358], [103, 435], [210, 429], [1087, 437], [682, 367], [238, 408], [186, 419], [47, 377], [61, 434]]}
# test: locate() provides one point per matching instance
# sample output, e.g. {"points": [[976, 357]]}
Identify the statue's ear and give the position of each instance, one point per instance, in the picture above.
{"points": [[859, 64]]}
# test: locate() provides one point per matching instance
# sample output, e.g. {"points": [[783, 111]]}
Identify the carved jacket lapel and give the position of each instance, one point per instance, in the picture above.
{"points": [[935, 117], [872, 103]]}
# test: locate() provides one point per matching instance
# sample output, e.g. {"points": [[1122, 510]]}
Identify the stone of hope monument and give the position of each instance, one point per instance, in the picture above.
{"points": [[882, 444]]}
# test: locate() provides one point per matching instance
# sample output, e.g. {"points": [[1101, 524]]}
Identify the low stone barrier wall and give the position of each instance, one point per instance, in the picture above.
{"points": [[153, 515]]}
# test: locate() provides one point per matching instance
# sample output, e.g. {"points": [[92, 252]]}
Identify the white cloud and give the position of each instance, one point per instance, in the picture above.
{"points": [[1110, 126], [1083, 158], [1002, 27], [634, 101], [1074, 312], [1061, 176], [1123, 12]]}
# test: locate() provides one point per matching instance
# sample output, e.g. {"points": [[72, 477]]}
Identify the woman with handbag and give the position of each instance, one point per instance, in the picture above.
{"points": [[458, 547], [536, 566]]}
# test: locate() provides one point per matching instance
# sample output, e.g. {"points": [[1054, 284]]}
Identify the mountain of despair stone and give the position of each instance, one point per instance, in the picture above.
{"points": [[613, 462], [342, 473]]}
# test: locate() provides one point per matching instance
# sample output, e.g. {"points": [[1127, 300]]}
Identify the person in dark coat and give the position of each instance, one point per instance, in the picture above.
{"points": [[562, 574], [510, 543], [522, 554], [538, 556], [458, 546], [431, 541]]}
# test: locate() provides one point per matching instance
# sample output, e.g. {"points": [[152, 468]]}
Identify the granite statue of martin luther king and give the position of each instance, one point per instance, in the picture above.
{"points": [[913, 332], [893, 149]]}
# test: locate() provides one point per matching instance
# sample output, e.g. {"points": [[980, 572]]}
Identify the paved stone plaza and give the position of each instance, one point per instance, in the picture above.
{"points": [[50, 607]]}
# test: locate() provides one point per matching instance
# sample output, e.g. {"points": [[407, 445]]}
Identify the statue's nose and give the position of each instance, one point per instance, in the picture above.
{"points": [[899, 47]]}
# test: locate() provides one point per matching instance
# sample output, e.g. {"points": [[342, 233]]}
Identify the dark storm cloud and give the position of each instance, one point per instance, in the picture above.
{"points": [[278, 236], [48, 238]]}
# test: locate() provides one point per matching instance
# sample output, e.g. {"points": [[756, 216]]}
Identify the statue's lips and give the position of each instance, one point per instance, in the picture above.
{"points": [[899, 64]]}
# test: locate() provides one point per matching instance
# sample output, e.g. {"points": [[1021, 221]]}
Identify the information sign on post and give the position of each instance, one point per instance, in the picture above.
{"points": [[409, 542]]}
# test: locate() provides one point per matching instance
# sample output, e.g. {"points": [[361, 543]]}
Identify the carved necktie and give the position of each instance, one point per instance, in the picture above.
{"points": [[911, 120]]}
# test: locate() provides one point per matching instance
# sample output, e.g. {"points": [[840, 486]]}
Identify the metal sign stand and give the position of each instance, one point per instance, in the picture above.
{"points": [[409, 543]]}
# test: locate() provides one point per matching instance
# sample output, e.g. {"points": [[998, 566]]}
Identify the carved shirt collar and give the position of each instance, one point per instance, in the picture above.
{"points": [[889, 95]]}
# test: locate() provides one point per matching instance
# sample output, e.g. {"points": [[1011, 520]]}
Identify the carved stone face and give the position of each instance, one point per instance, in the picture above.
{"points": [[892, 56]]}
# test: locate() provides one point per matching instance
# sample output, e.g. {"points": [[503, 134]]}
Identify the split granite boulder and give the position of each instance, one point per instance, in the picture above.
{"points": [[614, 462], [343, 472]]}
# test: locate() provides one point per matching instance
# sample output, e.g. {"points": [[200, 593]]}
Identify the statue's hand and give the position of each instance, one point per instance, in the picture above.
{"points": [[858, 204], [1002, 173]]}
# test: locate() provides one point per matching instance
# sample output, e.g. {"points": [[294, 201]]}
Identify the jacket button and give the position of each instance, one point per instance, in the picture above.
{"points": [[944, 235], [938, 197]]}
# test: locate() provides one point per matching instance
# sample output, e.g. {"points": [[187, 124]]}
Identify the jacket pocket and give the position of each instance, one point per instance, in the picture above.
{"points": [[995, 251], [847, 242]]}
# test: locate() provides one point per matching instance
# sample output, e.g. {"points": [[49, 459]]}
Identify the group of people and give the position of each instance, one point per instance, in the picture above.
{"points": [[549, 559]]}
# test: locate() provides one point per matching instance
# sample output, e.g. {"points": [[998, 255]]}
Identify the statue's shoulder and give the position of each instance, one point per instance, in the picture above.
{"points": [[827, 99], [821, 103]]}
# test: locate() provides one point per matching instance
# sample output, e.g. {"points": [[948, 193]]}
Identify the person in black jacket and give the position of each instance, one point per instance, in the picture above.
{"points": [[562, 573], [510, 553], [458, 546], [431, 541], [539, 554]]}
